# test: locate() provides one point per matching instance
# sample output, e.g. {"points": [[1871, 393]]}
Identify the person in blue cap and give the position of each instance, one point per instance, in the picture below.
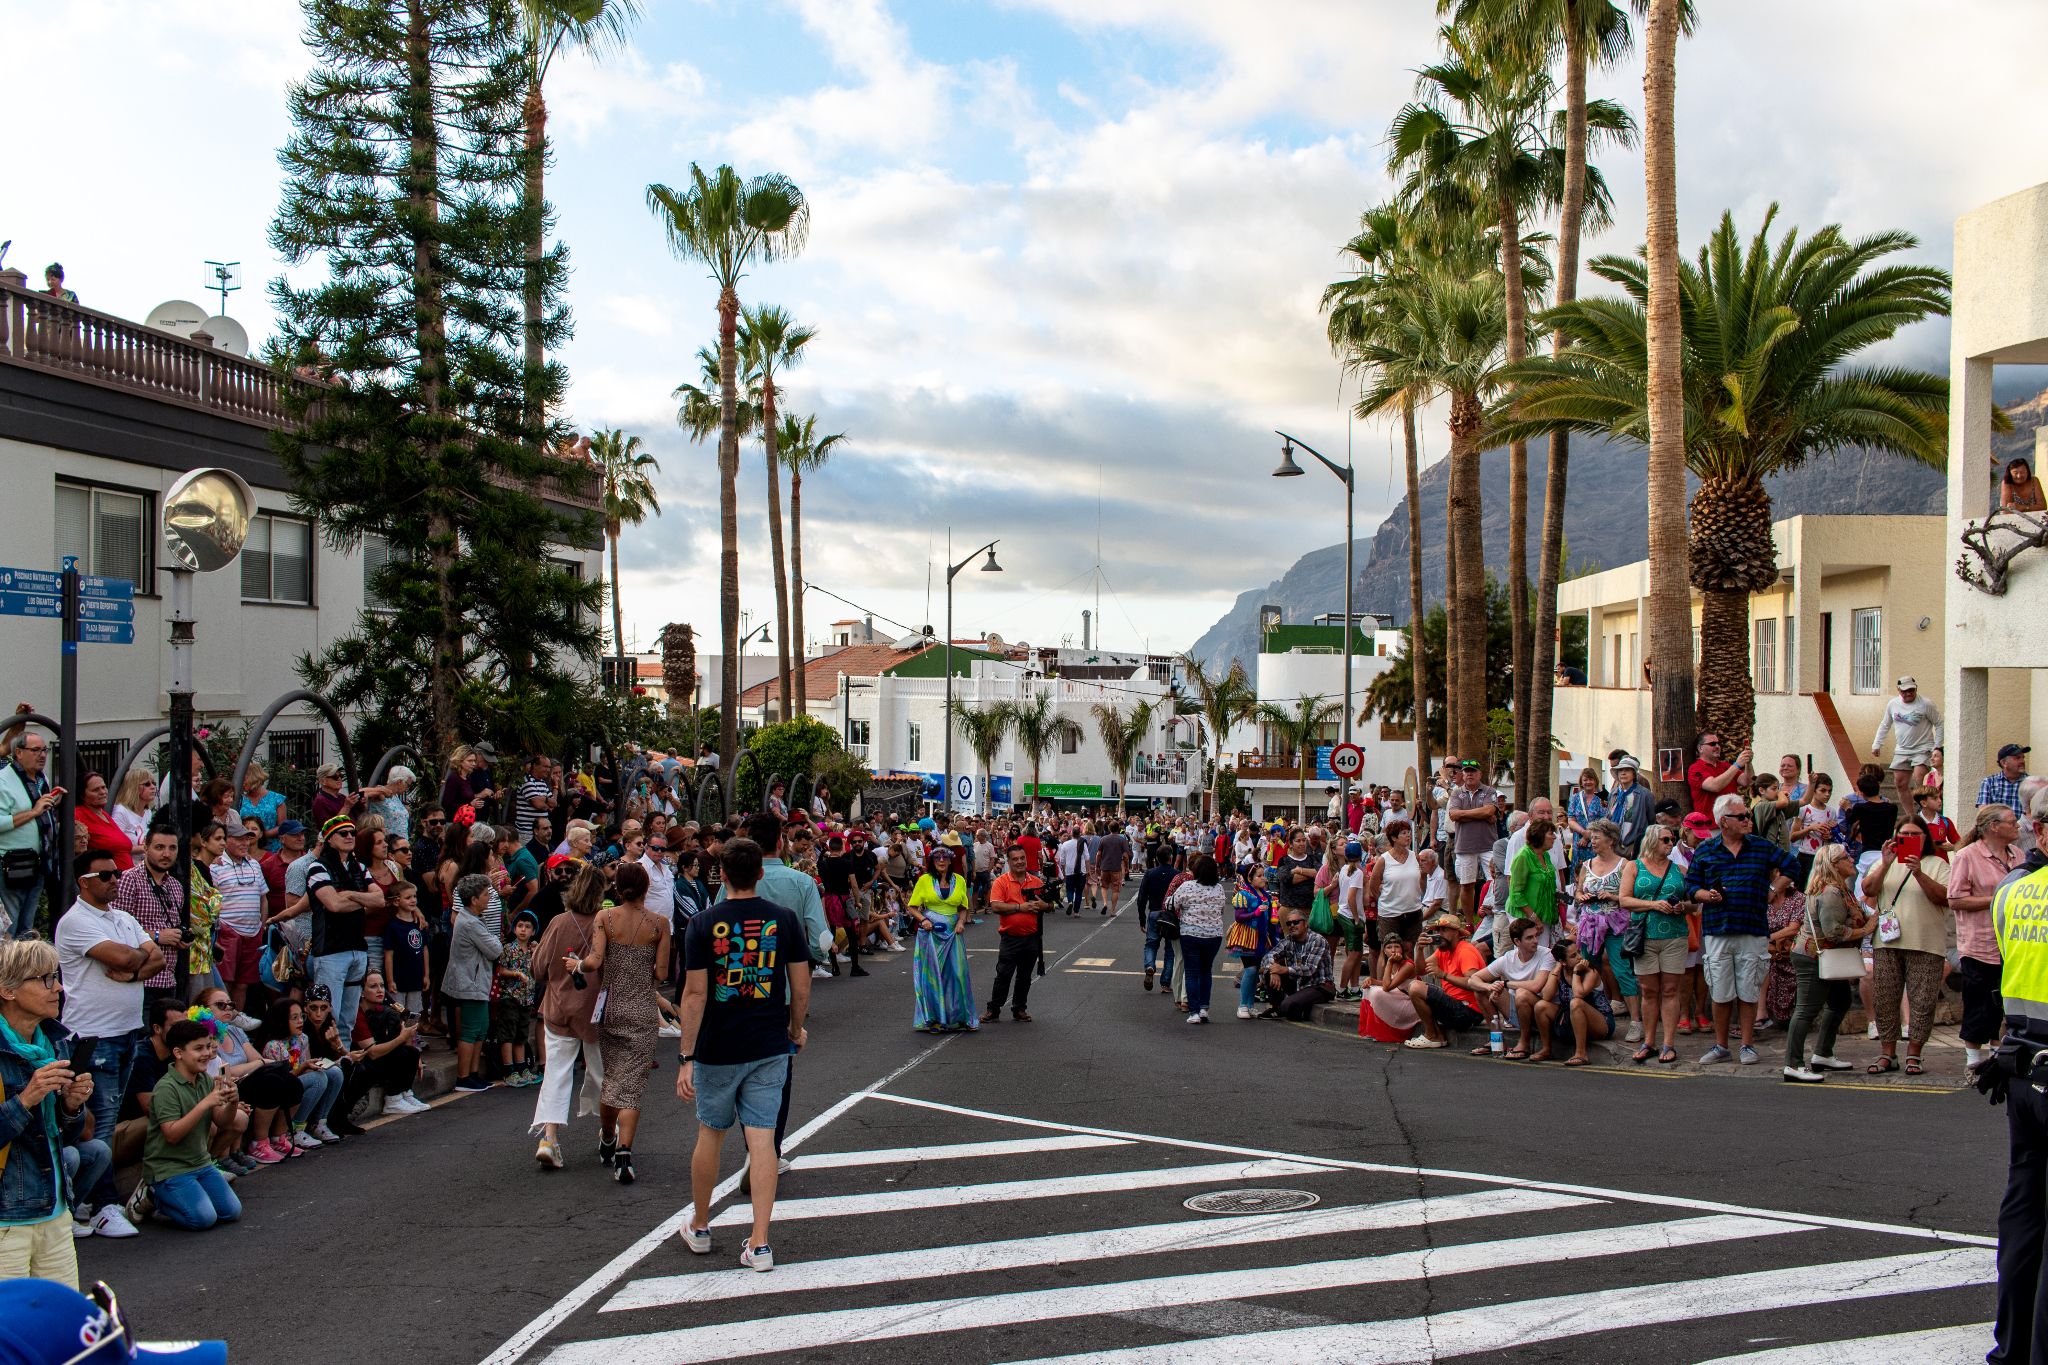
{"points": [[46, 1323]]}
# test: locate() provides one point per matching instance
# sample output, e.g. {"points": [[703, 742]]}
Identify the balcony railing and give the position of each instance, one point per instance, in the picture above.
{"points": [[1169, 770], [39, 332]]}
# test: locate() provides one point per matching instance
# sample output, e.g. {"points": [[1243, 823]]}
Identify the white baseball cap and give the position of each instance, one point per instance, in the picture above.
{"points": [[1908, 683]]}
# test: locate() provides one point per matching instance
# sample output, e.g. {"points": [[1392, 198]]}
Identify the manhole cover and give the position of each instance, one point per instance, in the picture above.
{"points": [[1252, 1201]]}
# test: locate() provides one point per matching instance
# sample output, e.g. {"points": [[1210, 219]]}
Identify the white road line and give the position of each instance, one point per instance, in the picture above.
{"points": [[895, 1156], [807, 1331], [531, 1335], [1068, 1248], [1505, 1327], [1941, 1346], [1482, 1177], [1002, 1191]]}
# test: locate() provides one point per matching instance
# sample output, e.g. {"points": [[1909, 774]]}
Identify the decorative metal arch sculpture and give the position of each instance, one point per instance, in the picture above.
{"points": [[270, 713]]}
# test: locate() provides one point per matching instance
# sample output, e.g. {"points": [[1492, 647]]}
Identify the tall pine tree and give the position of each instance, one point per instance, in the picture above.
{"points": [[404, 191]]}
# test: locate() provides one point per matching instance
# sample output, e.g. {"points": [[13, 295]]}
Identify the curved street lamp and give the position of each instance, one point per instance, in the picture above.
{"points": [[1290, 470], [988, 566]]}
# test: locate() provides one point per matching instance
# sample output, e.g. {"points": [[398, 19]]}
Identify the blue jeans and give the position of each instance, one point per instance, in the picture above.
{"points": [[1201, 960], [342, 975], [1077, 884], [1158, 950], [87, 1163], [1248, 983], [19, 907], [112, 1060], [196, 1200], [320, 1089]]}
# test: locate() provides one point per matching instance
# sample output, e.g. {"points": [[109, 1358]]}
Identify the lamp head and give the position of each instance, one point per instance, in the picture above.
{"points": [[990, 565], [1288, 468]]}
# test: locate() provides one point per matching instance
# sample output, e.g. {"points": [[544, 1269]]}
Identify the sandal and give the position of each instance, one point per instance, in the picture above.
{"points": [[1543, 1056], [1515, 1054], [1913, 1067], [1667, 1056], [1577, 1061], [1685, 1027], [1882, 1065], [1643, 1054], [1486, 1051]]}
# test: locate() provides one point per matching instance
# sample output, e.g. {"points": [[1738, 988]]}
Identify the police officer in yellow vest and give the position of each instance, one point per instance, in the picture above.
{"points": [[2019, 1071]]}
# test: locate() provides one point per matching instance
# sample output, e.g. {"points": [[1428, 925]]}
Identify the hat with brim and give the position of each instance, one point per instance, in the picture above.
{"points": [[1699, 824], [43, 1322], [1447, 920]]}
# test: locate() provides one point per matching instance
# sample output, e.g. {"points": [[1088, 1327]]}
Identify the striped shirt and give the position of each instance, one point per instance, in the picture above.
{"points": [[524, 812], [2000, 790], [242, 893]]}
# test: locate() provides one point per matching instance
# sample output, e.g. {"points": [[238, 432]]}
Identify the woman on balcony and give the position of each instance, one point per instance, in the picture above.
{"points": [[2019, 490]]}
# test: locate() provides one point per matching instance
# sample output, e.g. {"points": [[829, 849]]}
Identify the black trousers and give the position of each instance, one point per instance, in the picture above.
{"points": [[1017, 959], [2021, 1330], [1295, 999]]}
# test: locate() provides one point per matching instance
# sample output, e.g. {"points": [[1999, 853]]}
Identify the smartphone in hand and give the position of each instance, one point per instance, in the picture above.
{"points": [[81, 1054]]}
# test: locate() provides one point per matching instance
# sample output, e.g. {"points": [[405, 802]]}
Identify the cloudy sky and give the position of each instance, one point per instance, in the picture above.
{"points": [[1064, 258]]}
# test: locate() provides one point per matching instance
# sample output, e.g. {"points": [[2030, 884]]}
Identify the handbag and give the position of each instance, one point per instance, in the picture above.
{"points": [[1635, 940], [21, 868], [1320, 919], [1834, 964]]}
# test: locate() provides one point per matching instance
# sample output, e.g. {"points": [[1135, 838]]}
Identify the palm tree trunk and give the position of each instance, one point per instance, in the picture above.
{"points": [[1518, 493], [536, 121], [796, 585], [1549, 557], [1454, 712], [782, 690], [618, 616], [1417, 658], [1727, 692], [1466, 416], [728, 533], [1672, 717]]}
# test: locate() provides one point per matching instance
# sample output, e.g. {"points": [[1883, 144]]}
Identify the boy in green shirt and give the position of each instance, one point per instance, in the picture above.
{"points": [[184, 1108], [1769, 817]]}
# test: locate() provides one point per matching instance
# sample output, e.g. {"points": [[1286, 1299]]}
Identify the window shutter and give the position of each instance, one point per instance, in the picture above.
{"points": [[117, 537], [291, 561], [376, 554], [256, 561], [74, 526]]}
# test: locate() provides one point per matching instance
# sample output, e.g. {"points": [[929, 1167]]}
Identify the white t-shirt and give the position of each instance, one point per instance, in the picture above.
{"points": [[1069, 856], [96, 1005], [1348, 882], [1813, 815], [1511, 968], [1437, 892]]}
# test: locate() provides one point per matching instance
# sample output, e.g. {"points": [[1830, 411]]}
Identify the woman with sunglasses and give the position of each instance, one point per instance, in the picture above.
{"points": [[938, 904], [46, 1106], [1830, 919]]}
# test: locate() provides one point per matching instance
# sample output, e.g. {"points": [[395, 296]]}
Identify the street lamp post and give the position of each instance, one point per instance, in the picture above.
{"points": [[990, 566], [1290, 470]]}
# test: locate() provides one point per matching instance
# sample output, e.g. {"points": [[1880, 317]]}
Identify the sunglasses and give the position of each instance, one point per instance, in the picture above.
{"points": [[110, 1325], [436, 824], [98, 876], [1744, 818], [1296, 923], [401, 848], [657, 848]]}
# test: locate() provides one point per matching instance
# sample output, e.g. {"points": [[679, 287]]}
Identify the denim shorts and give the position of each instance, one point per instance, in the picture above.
{"points": [[748, 1091]]}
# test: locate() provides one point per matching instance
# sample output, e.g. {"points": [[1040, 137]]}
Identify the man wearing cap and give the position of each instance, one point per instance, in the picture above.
{"points": [[1444, 997], [1915, 725], [1474, 812], [340, 890], [1731, 879], [1632, 805], [239, 931], [2002, 788]]}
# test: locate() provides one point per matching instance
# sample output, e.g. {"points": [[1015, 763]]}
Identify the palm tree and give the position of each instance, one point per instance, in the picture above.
{"points": [[1766, 332], [1388, 249], [1039, 727], [626, 475], [1223, 700], [697, 405], [729, 223], [1583, 32], [1482, 137], [1300, 724], [546, 28], [801, 448], [1123, 736], [983, 727], [770, 340]]}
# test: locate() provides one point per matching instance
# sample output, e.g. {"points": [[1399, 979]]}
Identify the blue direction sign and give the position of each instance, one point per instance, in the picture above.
{"points": [[106, 606], [107, 632], [45, 583], [89, 608]]}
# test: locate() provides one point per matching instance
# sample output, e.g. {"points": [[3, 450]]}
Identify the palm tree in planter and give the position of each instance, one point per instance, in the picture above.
{"points": [[626, 479], [1767, 332], [1039, 727], [1223, 701], [1123, 736], [983, 727], [1299, 724]]}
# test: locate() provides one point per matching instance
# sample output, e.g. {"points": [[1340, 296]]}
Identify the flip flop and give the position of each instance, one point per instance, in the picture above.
{"points": [[1517, 1055], [1577, 1061], [1543, 1056], [1643, 1054], [1882, 1065], [1667, 1056], [1486, 1051]]}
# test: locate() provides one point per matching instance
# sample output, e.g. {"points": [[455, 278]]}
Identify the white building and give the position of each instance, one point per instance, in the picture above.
{"points": [[1996, 674], [98, 417]]}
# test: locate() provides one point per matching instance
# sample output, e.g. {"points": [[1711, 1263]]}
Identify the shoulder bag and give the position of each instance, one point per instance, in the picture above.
{"points": [[1835, 964]]}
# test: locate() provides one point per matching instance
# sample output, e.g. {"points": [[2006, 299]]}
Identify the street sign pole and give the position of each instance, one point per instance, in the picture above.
{"points": [[179, 778], [67, 720]]}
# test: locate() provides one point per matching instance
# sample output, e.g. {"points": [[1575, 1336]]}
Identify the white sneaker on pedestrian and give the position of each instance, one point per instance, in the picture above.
{"points": [[669, 1030], [305, 1141], [1820, 1063], [549, 1155], [898, 948], [110, 1221], [394, 1108], [757, 1258], [1871, 1031], [1195, 1017], [817, 972], [414, 1102], [1803, 1076], [324, 1133], [1243, 1013], [1635, 1032], [81, 1228], [696, 1239]]}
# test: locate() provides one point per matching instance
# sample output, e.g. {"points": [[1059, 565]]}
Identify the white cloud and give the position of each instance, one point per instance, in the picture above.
{"points": [[586, 94]]}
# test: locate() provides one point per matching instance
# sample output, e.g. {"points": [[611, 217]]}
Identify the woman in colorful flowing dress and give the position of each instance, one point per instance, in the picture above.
{"points": [[938, 904]]}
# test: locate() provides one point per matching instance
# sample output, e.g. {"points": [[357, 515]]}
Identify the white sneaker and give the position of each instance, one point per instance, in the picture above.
{"points": [[1195, 1017], [395, 1108], [81, 1228], [1635, 1032], [324, 1133], [817, 972], [668, 1030], [1243, 1013], [413, 1103], [1803, 1076], [1870, 1032], [696, 1239], [111, 1222], [1820, 1063], [898, 948], [757, 1258], [305, 1141]]}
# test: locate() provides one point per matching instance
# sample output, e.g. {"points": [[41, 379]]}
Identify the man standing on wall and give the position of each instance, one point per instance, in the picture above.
{"points": [[1474, 813], [1915, 725]]}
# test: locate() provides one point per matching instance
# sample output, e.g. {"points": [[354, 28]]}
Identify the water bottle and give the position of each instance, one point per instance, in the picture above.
{"points": [[1495, 1043]]}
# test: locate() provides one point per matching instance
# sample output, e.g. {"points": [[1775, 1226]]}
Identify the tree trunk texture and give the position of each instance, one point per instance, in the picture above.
{"points": [[1518, 495], [1417, 653], [796, 586], [728, 535], [536, 112], [1550, 555], [430, 323], [1673, 720], [1454, 710], [1466, 416], [618, 611], [1733, 555], [1727, 696], [782, 689]]}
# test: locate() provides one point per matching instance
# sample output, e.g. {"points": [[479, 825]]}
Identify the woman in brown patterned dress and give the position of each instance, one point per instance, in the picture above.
{"points": [[629, 947]]}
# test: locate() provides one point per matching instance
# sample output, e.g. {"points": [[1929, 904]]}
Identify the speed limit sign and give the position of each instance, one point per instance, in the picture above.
{"points": [[1347, 760]]}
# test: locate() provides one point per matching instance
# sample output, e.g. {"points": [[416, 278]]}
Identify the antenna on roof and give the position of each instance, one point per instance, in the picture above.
{"points": [[227, 279]]}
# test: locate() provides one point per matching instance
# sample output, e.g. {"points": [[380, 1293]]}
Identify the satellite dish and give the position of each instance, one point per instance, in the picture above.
{"points": [[206, 516], [993, 640], [177, 316], [227, 334]]}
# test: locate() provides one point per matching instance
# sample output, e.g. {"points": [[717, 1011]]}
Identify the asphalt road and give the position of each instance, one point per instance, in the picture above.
{"points": [[1017, 1194]]}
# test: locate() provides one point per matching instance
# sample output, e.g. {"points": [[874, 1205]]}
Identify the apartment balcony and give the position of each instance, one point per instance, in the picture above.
{"points": [[1255, 766]]}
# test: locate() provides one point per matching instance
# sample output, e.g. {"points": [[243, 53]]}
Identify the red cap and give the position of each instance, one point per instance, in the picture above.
{"points": [[1699, 824]]}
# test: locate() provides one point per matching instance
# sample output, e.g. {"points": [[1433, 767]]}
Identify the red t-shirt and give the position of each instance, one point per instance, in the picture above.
{"points": [[1033, 847], [1696, 777]]}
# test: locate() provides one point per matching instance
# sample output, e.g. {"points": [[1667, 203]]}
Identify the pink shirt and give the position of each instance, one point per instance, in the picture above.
{"points": [[1974, 871]]}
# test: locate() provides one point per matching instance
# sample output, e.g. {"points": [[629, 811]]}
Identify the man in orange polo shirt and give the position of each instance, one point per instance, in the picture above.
{"points": [[1019, 903]]}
